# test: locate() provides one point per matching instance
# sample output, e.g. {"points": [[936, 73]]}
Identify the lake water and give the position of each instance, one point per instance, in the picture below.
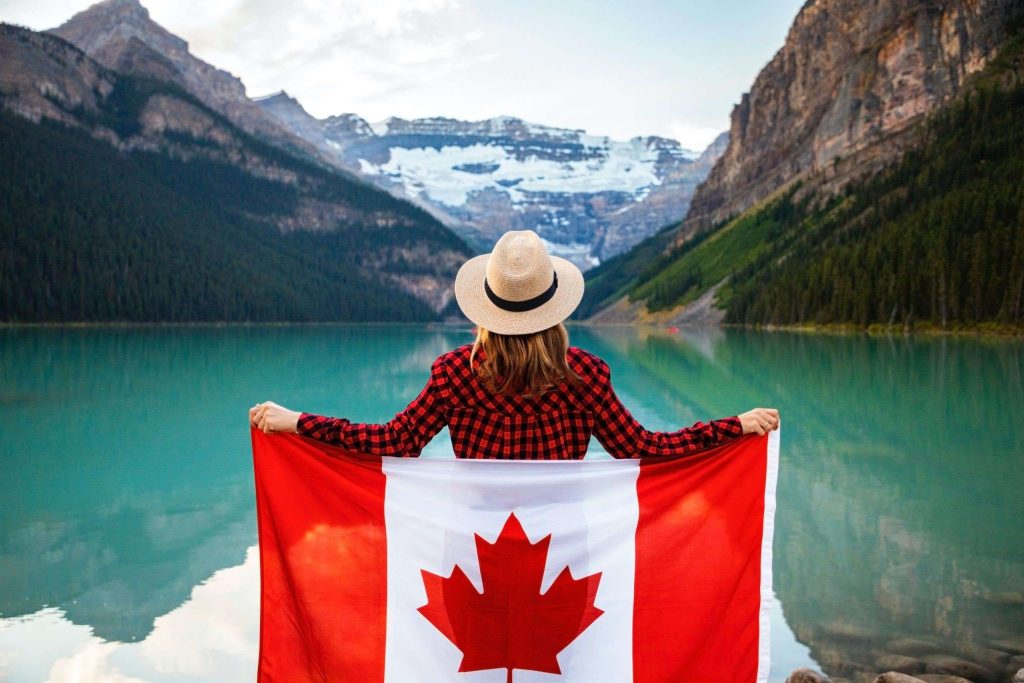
{"points": [[127, 517]]}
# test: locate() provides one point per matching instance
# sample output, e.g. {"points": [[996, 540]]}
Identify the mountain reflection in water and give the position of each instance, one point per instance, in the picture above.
{"points": [[128, 532]]}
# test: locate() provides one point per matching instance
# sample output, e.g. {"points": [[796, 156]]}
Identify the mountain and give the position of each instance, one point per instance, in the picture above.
{"points": [[588, 196], [128, 198], [120, 35], [840, 99], [869, 179]]}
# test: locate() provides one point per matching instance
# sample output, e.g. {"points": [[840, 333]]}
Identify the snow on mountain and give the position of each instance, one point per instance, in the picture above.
{"points": [[590, 197], [450, 174]]}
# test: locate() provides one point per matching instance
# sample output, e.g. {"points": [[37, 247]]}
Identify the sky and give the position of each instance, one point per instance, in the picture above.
{"points": [[621, 69]]}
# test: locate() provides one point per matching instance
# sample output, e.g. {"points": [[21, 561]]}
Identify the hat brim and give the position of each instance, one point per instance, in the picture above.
{"points": [[475, 304]]}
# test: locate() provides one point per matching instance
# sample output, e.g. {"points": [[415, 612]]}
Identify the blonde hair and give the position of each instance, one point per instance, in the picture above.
{"points": [[527, 364]]}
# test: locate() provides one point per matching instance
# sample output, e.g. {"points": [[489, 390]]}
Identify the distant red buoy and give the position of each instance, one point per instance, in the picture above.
{"points": [[673, 329]]}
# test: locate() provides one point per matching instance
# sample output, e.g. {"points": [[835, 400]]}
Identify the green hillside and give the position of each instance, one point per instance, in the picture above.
{"points": [[938, 238], [613, 278], [90, 234]]}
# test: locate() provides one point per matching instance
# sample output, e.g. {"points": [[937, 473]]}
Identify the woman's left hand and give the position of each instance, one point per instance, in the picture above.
{"points": [[760, 420], [269, 417]]}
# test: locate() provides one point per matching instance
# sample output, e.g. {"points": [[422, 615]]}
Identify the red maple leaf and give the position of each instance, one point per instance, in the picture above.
{"points": [[511, 625]]}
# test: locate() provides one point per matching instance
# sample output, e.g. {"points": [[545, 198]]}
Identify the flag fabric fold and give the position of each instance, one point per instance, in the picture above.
{"points": [[479, 571]]}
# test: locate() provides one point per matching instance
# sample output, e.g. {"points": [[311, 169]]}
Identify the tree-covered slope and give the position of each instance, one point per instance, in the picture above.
{"points": [[125, 198], [613, 278], [90, 234], [938, 237]]}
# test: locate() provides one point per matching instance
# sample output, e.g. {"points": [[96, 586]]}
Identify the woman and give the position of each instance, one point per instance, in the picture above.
{"points": [[519, 390]]}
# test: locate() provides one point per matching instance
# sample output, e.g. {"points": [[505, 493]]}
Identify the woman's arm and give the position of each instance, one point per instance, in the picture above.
{"points": [[404, 435], [623, 437]]}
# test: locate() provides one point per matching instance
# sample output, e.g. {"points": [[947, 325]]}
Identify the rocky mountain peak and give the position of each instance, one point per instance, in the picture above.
{"points": [[348, 124], [112, 22], [279, 97], [120, 35], [285, 109], [710, 156], [125, 9], [281, 101]]}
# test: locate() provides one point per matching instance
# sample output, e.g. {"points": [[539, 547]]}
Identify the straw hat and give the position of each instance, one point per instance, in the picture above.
{"points": [[518, 288]]}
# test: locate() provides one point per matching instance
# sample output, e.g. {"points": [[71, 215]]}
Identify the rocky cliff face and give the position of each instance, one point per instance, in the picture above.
{"points": [[46, 78], [120, 35], [588, 196], [836, 100]]}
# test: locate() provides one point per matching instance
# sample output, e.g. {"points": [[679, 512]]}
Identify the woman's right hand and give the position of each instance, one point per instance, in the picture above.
{"points": [[760, 420], [270, 417]]}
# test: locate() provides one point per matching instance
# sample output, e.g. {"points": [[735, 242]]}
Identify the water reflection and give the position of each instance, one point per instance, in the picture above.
{"points": [[126, 456], [212, 636], [899, 526], [128, 492]]}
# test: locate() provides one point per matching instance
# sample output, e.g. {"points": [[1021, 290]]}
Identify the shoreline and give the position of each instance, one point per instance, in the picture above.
{"points": [[981, 331], [213, 323]]}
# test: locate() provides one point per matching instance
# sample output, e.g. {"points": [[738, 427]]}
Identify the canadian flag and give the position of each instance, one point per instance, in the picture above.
{"points": [[490, 571]]}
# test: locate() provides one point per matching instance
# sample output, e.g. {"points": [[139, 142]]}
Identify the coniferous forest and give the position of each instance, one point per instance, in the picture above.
{"points": [[88, 233], [940, 237]]}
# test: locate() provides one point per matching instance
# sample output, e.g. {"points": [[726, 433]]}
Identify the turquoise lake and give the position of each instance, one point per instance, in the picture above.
{"points": [[127, 513]]}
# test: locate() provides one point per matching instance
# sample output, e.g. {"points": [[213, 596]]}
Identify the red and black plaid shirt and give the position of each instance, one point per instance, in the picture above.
{"points": [[556, 425]]}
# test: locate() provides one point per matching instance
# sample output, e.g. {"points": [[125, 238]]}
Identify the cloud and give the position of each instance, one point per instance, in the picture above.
{"points": [[39, 15], [334, 55], [212, 636], [89, 663], [693, 137], [382, 18], [471, 60]]}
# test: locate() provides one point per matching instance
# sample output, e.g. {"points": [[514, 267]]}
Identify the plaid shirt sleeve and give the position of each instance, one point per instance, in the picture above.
{"points": [[623, 437], [404, 436]]}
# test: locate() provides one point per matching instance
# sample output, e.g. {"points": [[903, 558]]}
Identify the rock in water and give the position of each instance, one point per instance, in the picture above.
{"points": [[807, 676], [913, 646], [896, 677], [899, 664], [1011, 645], [944, 664]]}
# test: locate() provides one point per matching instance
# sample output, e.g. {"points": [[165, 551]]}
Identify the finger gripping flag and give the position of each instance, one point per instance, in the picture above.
{"points": [[490, 571]]}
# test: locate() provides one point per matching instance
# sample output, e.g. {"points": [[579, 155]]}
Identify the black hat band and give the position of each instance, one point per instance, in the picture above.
{"points": [[520, 306]]}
